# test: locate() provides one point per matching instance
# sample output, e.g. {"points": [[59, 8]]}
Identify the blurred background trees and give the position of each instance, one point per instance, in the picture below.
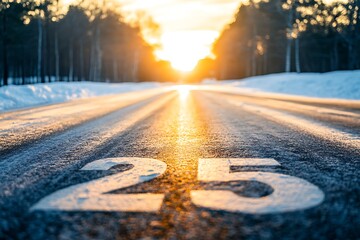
{"points": [[41, 41], [290, 35]]}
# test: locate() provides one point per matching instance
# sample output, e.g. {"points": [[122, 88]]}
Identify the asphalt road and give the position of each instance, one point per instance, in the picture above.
{"points": [[231, 167]]}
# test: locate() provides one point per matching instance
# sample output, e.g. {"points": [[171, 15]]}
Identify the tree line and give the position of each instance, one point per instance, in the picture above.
{"points": [[41, 42], [289, 36]]}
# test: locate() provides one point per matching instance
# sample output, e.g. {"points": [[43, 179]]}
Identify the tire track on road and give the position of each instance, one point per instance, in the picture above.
{"points": [[26, 126], [22, 171]]}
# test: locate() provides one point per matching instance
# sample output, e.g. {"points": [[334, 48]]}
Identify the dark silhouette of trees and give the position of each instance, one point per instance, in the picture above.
{"points": [[292, 35], [204, 69], [40, 42]]}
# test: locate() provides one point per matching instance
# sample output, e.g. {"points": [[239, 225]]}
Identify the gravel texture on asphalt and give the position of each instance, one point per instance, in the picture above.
{"points": [[179, 131]]}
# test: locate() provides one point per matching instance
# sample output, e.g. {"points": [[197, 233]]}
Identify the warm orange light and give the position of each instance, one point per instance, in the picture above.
{"points": [[184, 91], [188, 27], [185, 48]]}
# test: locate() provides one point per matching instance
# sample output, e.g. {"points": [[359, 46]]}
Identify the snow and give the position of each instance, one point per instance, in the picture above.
{"points": [[15, 97], [339, 84]]}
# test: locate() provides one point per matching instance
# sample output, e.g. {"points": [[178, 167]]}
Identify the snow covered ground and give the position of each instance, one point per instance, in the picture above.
{"points": [[14, 97], [340, 84]]}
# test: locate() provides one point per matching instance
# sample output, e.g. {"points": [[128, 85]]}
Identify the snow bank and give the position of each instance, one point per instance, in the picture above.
{"points": [[13, 97], [340, 84]]}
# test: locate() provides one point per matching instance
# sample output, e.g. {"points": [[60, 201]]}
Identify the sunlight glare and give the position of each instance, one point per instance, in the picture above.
{"points": [[188, 27], [183, 91], [185, 48]]}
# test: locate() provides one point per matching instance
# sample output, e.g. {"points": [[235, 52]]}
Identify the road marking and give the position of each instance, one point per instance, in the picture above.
{"points": [[90, 196], [290, 193]]}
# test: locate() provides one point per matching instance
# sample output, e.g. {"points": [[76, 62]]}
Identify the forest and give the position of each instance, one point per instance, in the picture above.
{"points": [[288, 36], [42, 42]]}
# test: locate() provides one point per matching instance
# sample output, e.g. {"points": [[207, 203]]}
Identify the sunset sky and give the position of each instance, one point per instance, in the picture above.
{"points": [[189, 27]]}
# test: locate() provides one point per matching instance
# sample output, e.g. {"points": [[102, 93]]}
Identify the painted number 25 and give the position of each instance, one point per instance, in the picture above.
{"points": [[289, 193]]}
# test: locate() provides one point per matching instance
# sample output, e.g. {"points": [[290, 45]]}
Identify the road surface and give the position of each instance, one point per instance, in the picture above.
{"points": [[181, 164]]}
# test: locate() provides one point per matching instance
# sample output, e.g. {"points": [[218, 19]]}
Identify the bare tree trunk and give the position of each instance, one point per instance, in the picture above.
{"points": [[335, 56], [92, 60], [223, 69], [297, 55], [357, 34], [46, 51], [135, 67], [95, 61], [71, 62], [5, 46], [56, 46], [351, 56], [289, 40], [40, 33], [57, 57], [23, 64], [82, 60], [254, 44], [253, 64], [115, 69], [288, 55], [265, 59], [98, 54]]}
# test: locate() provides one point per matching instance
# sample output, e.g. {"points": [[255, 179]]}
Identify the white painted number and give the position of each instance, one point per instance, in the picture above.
{"points": [[90, 196], [290, 193]]}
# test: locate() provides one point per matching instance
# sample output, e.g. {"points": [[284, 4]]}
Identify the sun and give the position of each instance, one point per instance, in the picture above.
{"points": [[184, 63], [185, 48]]}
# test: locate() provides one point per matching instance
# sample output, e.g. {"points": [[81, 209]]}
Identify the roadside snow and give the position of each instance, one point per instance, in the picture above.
{"points": [[14, 97], [340, 84]]}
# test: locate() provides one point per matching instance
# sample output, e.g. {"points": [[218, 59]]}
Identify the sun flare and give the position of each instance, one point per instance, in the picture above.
{"points": [[188, 28], [185, 48], [183, 91]]}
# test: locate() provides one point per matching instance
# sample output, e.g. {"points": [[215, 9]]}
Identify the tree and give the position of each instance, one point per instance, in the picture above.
{"points": [[42, 41], [287, 35], [4, 5]]}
